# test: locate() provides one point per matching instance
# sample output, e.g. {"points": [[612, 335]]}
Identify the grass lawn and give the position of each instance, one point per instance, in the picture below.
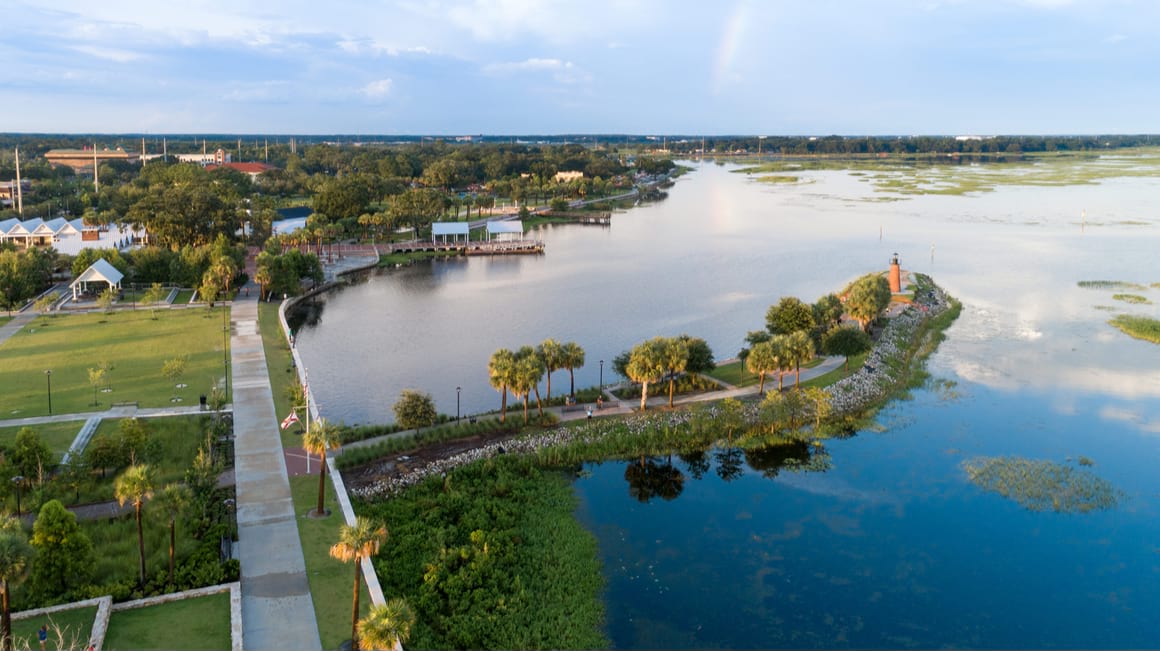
{"points": [[278, 363], [331, 581], [75, 625], [734, 374], [178, 439], [57, 436], [136, 347], [183, 297], [191, 624], [827, 379]]}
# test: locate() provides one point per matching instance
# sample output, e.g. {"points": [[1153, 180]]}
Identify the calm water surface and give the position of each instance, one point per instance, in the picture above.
{"points": [[890, 547]]}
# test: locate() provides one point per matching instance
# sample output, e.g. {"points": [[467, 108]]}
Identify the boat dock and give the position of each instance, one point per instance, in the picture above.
{"points": [[467, 248]]}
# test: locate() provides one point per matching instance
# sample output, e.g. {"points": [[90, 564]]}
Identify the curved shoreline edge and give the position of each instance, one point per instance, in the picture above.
{"points": [[902, 347]]}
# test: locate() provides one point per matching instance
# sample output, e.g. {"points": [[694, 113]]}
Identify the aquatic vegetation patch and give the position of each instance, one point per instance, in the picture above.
{"points": [[1141, 328], [1110, 285], [1040, 485], [778, 178], [1131, 298]]}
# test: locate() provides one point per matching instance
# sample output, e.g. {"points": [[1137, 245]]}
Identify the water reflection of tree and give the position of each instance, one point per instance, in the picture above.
{"points": [[305, 313], [650, 478], [696, 462], [770, 460], [728, 463]]}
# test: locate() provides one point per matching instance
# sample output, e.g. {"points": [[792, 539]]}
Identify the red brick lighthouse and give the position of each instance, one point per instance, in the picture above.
{"points": [[895, 275]]}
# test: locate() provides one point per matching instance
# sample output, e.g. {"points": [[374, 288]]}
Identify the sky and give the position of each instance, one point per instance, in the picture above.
{"points": [[691, 67]]}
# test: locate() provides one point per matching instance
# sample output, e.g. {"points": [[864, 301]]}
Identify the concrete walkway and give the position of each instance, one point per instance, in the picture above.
{"points": [[277, 610], [18, 322]]}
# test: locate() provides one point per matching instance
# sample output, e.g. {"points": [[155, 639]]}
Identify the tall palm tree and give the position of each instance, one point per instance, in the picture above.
{"points": [[15, 555], [500, 369], [171, 502], [800, 348], [531, 366], [646, 365], [781, 352], [355, 543], [676, 358], [762, 359], [135, 485], [322, 437], [573, 359], [552, 353], [387, 626]]}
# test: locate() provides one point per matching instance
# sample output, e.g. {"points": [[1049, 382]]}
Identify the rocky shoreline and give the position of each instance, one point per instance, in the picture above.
{"points": [[873, 382]]}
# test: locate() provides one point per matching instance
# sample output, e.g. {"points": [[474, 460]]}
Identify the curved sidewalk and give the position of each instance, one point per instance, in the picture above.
{"points": [[277, 609]]}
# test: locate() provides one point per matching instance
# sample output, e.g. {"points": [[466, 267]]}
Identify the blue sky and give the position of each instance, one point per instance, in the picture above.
{"points": [[588, 66]]}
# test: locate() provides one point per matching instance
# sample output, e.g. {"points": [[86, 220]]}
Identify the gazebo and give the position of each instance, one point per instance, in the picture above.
{"points": [[505, 230], [453, 229], [101, 271]]}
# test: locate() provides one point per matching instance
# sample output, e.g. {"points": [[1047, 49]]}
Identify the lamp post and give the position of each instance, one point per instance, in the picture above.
{"points": [[17, 480], [457, 390], [48, 379], [601, 376], [225, 348]]}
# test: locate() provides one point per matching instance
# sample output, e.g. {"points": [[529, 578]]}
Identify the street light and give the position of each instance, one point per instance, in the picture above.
{"points": [[457, 390], [601, 376], [17, 480], [48, 378]]}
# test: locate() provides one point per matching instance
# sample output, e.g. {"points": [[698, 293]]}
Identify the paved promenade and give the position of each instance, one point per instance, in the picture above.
{"points": [[277, 610]]}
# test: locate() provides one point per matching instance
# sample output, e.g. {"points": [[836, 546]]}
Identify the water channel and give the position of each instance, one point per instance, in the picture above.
{"points": [[891, 546]]}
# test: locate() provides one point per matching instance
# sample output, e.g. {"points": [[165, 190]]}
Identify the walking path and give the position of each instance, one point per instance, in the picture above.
{"points": [[17, 322], [277, 610]]}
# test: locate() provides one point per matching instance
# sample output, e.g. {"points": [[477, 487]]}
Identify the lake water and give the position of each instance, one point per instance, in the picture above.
{"points": [[891, 547]]}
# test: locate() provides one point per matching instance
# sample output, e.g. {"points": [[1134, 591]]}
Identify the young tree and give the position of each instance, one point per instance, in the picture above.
{"points": [[173, 370], [15, 557], [106, 299], [135, 485], [29, 454], [171, 502], [153, 296], [646, 364], [500, 372], [322, 437], [44, 304], [819, 400], [355, 543], [64, 556], [414, 410], [386, 626], [846, 342], [573, 359], [96, 377]]}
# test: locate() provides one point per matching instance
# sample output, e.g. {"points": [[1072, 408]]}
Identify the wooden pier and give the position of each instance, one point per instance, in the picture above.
{"points": [[469, 248]]}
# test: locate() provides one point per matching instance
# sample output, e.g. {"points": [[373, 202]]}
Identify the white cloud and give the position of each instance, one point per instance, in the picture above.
{"points": [[108, 54], [377, 89], [527, 65]]}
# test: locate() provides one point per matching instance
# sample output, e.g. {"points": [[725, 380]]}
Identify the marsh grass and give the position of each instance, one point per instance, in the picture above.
{"points": [[1131, 298], [190, 624], [1111, 285], [1141, 328], [1039, 485]]}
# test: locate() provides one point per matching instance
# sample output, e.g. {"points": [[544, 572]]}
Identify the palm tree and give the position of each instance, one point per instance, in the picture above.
{"points": [[531, 366], [799, 349], [676, 358], [136, 485], [387, 626], [171, 502], [780, 344], [263, 278], [762, 359], [573, 359], [355, 543], [500, 369], [552, 353], [646, 364], [321, 437], [15, 555]]}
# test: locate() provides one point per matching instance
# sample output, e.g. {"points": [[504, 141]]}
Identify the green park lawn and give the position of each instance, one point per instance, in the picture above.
{"points": [[191, 624], [736, 375], [135, 345], [74, 625], [331, 581], [57, 436], [280, 367]]}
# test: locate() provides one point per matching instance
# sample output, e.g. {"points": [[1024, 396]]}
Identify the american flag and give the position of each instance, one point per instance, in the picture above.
{"points": [[290, 420]]}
